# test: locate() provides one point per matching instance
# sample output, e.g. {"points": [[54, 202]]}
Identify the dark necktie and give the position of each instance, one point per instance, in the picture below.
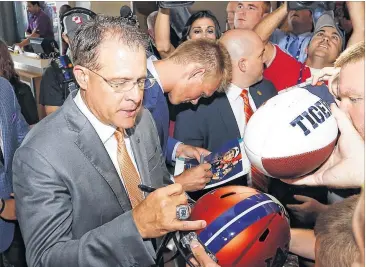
{"points": [[294, 47]]}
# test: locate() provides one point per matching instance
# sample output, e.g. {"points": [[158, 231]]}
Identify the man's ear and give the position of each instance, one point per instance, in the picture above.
{"points": [[197, 73], [242, 64], [81, 77]]}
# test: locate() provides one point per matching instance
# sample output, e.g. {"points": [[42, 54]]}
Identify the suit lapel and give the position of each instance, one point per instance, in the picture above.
{"points": [[227, 116], [139, 153], [257, 95], [92, 147]]}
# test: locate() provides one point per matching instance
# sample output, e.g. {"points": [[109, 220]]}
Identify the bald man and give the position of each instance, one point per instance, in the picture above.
{"points": [[221, 118]]}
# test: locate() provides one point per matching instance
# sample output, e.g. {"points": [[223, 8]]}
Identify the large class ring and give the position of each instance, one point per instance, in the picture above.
{"points": [[183, 212]]}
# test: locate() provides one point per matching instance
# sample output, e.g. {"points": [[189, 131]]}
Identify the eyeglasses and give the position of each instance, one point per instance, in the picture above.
{"points": [[128, 85]]}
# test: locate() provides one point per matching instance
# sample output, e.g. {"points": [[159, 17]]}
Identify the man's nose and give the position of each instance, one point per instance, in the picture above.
{"points": [[135, 94], [325, 39], [242, 12]]}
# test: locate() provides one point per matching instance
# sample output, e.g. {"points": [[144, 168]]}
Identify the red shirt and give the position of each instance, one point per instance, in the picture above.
{"points": [[285, 71]]}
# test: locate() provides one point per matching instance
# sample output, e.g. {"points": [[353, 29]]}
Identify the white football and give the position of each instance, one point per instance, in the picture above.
{"points": [[291, 135]]}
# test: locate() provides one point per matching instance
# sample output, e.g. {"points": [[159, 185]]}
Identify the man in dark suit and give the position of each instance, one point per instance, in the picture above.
{"points": [[197, 68], [221, 118], [76, 175], [13, 129]]}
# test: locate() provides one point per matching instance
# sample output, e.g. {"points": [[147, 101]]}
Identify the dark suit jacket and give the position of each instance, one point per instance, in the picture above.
{"points": [[155, 102], [13, 130], [72, 207], [212, 123]]}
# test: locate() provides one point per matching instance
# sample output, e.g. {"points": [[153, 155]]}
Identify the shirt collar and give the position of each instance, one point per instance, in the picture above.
{"points": [[301, 36], [233, 92], [104, 131], [150, 66]]}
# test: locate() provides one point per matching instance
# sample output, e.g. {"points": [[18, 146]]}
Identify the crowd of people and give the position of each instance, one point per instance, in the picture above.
{"points": [[69, 187]]}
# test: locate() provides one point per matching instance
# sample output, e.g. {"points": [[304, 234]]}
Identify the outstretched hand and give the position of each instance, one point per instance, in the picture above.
{"points": [[345, 166], [156, 215], [308, 210], [329, 74]]}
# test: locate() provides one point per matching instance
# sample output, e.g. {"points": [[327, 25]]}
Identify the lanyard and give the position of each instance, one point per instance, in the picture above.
{"points": [[298, 50], [300, 74]]}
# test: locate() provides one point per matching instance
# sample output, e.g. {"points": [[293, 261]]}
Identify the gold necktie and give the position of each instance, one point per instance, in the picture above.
{"points": [[130, 177]]}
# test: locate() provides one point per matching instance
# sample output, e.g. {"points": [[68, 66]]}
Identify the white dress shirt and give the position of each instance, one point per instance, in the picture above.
{"points": [[237, 105], [106, 135], [150, 66]]}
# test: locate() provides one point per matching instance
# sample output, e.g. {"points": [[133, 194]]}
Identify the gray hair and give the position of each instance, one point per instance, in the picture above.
{"points": [[89, 36]]}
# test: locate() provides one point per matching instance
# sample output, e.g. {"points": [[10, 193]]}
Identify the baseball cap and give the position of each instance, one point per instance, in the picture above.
{"points": [[73, 18], [326, 20]]}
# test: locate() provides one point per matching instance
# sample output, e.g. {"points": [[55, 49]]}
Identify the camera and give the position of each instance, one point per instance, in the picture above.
{"points": [[126, 13], [311, 5], [173, 4]]}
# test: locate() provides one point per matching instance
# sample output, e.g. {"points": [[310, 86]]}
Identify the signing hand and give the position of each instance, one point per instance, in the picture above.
{"points": [[195, 178], [308, 210], [156, 215], [345, 166], [186, 151]]}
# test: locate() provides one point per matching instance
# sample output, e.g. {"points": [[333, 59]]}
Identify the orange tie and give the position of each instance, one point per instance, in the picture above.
{"points": [[259, 180], [130, 177]]}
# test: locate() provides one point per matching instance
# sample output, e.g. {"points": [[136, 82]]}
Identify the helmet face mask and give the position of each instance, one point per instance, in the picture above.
{"points": [[182, 246], [185, 242]]}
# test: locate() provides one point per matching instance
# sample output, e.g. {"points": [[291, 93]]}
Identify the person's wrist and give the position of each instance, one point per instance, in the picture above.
{"points": [[180, 180], [139, 227], [165, 11], [322, 208], [177, 179], [179, 150]]}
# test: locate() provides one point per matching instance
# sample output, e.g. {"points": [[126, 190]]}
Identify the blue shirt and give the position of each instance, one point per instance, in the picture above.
{"points": [[42, 24], [283, 40]]}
